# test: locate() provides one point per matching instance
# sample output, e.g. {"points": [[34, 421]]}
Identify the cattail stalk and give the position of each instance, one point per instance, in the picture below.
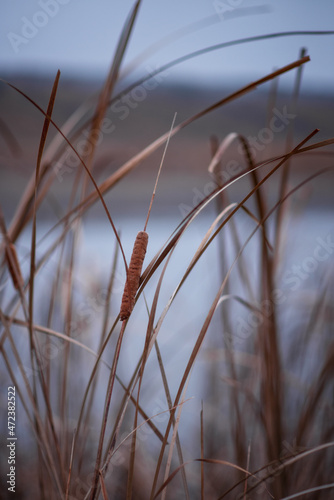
{"points": [[138, 253]]}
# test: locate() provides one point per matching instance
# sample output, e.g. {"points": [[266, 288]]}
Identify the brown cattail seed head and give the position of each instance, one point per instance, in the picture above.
{"points": [[14, 266], [134, 272]]}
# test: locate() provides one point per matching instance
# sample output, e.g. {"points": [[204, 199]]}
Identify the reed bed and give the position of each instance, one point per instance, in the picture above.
{"points": [[233, 402]]}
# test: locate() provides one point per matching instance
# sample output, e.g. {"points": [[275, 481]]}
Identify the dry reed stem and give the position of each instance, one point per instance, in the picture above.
{"points": [[133, 277], [106, 412], [108, 87], [172, 443], [202, 452], [103, 487]]}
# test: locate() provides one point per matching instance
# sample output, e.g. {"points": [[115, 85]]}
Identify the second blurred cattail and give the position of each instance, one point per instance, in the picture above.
{"points": [[134, 272], [14, 266]]}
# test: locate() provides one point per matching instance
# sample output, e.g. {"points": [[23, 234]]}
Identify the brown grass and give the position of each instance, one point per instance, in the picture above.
{"points": [[265, 425]]}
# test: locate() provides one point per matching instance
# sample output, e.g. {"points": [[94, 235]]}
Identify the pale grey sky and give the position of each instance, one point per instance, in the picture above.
{"points": [[79, 36]]}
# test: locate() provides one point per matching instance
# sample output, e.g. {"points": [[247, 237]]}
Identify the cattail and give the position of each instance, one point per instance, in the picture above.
{"points": [[134, 272], [14, 266], [138, 253]]}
